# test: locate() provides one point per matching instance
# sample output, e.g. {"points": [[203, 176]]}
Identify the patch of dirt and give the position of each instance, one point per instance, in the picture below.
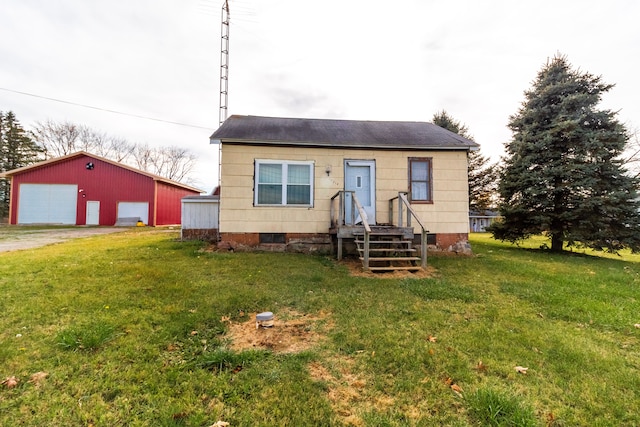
{"points": [[356, 269], [344, 388], [348, 391], [13, 238], [292, 332]]}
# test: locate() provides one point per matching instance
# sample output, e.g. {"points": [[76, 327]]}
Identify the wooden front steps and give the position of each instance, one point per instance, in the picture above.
{"points": [[381, 247], [390, 249]]}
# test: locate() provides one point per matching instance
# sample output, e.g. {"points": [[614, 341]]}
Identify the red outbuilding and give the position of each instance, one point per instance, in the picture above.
{"points": [[84, 189]]}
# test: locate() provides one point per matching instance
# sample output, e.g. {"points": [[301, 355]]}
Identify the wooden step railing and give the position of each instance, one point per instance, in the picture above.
{"points": [[338, 209], [404, 206], [340, 219], [389, 250]]}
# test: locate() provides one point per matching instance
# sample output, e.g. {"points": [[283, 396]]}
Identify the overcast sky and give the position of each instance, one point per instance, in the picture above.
{"points": [[339, 59]]}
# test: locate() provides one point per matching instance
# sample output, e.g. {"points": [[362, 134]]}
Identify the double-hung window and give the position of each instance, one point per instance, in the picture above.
{"points": [[283, 183], [420, 180]]}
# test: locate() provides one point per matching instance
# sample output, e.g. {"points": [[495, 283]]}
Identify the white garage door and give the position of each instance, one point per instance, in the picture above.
{"points": [[47, 204], [134, 210]]}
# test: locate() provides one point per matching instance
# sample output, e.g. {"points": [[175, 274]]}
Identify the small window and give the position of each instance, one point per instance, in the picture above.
{"points": [[420, 182], [272, 238], [283, 183], [431, 239]]}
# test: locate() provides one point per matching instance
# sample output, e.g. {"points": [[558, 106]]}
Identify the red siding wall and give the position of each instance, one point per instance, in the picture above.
{"points": [[106, 183], [169, 203]]}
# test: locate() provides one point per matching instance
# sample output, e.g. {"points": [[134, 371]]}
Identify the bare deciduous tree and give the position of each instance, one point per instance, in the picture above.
{"points": [[61, 139], [141, 157], [104, 145], [174, 163], [57, 139]]}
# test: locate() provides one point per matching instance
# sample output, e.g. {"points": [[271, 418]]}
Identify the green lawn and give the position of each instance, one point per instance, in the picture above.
{"points": [[135, 329]]}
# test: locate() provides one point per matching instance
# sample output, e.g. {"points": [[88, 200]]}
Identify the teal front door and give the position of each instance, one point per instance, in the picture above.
{"points": [[360, 177]]}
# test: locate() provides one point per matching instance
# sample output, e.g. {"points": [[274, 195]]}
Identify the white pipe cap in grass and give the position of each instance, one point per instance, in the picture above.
{"points": [[264, 319], [267, 315]]}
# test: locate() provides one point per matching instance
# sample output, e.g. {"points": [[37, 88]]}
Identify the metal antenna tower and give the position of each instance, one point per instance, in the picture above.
{"points": [[224, 79], [224, 62]]}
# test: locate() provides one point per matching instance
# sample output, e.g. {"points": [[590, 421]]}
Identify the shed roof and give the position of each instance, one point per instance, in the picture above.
{"points": [[93, 156], [202, 198], [339, 133]]}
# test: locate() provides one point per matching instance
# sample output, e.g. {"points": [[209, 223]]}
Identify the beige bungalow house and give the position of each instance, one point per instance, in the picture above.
{"points": [[319, 184]]}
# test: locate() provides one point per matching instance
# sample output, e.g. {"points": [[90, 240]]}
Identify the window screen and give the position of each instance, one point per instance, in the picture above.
{"points": [[420, 186], [286, 183]]}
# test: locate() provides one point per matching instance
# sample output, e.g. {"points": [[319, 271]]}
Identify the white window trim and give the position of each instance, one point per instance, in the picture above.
{"points": [[286, 163]]}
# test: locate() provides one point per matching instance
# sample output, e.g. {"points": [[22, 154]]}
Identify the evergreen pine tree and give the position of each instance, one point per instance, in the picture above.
{"points": [[482, 175], [563, 175], [483, 180], [444, 120], [17, 149]]}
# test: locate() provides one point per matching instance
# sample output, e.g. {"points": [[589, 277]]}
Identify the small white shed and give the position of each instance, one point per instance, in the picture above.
{"points": [[479, 221], [200, 217]]}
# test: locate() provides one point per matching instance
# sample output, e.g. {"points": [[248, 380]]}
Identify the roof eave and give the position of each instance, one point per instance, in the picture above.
{"points": [[365, 146], [175, 183]]}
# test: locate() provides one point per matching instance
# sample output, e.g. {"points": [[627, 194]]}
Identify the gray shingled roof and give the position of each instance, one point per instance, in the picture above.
{"points": [[339, 133]]}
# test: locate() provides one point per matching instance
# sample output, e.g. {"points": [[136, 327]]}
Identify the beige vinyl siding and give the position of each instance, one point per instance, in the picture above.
{"points": [[447, 214]]}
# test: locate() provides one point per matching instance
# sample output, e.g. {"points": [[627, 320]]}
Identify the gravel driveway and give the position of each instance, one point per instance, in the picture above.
{"points": [[16, 238]]}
